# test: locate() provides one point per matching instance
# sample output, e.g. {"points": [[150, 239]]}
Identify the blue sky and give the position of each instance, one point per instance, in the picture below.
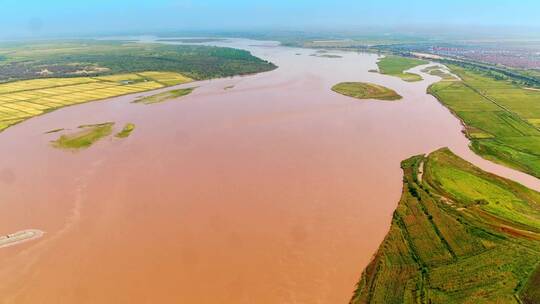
{"points": [[46, 17]]}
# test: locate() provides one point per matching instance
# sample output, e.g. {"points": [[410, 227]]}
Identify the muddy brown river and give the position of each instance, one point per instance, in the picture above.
{"points": [[274, 191]]}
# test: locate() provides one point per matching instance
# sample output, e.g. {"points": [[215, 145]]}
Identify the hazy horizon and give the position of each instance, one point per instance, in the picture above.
{"points": [[40, 19]]}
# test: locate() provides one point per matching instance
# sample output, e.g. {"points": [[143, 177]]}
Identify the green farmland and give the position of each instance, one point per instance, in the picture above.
{"points": [[502, 119], [458, 235], [396, 66], [21, 100]]}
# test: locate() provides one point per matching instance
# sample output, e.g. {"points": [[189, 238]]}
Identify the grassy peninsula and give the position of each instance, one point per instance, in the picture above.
{"points": [[396, 66], [458, 235], [363, 90]]}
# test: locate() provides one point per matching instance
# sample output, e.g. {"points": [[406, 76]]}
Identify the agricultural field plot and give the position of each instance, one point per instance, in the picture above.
{"points": [[24, 99], [454, 238], [26, 85], [395, 66], [167, 79], [501, 118]]}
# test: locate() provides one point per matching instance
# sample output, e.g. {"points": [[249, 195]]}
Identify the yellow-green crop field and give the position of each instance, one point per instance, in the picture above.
{"points": [[21, 100]]}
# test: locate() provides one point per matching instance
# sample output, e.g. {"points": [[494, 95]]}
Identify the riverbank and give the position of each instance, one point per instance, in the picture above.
{"points": [[458, 235]]}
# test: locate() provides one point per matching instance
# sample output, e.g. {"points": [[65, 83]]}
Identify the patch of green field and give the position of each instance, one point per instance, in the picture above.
{"points": [[501, 118], [395, 66], [458, 235], [126, 131], [362, 90], [85, 137], [161, 97], [24, 99]]}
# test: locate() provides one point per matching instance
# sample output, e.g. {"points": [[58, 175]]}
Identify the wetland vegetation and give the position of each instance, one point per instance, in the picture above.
{"points": [[86, 136], [439, 71], [164, 96], [362, 90], [126, 130]]}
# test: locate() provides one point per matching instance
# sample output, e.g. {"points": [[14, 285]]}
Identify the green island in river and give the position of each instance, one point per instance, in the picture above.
{"points": [[363, 90], [126, 130], [85, 137]]}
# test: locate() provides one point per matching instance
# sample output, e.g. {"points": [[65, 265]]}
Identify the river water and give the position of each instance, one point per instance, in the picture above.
{"points": [[274, 191]]}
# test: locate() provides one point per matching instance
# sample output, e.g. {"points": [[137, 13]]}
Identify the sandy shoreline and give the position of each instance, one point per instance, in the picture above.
{"points": [[20, 237]]}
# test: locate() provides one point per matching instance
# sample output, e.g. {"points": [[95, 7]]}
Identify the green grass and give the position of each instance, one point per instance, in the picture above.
{"points": [[460, 235], [126, 131], [362, 90], [395, 66], [438, 71], [85, 137], [162, 97], [501, 118]]}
